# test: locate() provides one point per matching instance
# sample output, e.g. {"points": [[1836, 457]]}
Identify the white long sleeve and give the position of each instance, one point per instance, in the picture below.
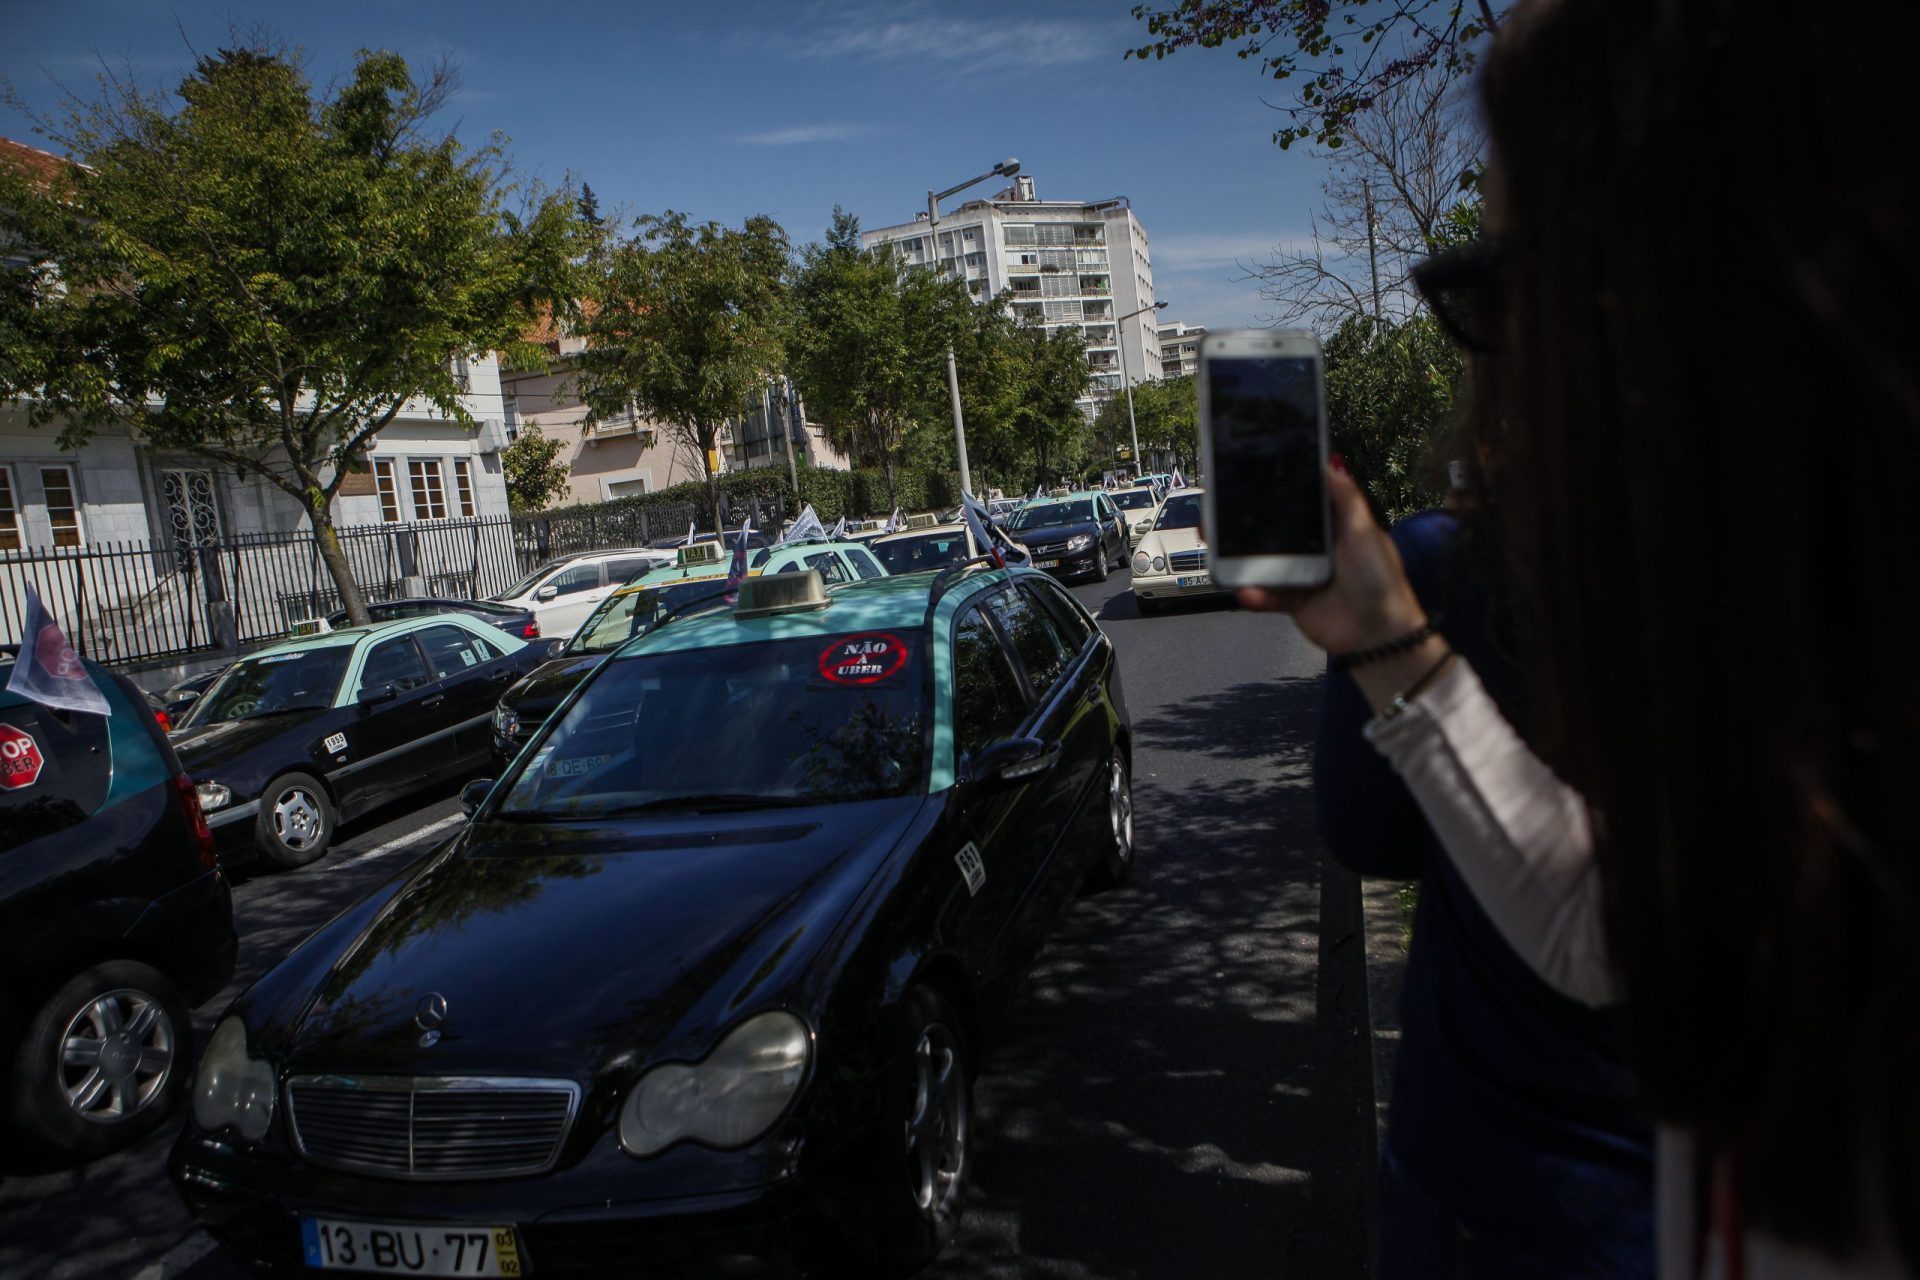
{"points": [[1519, 836]]}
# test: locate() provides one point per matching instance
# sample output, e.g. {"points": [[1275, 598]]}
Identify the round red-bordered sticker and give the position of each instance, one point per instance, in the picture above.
{"points": [[866, 658]]}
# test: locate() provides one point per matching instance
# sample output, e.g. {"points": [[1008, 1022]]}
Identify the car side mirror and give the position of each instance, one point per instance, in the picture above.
{"points": [[1008, 763], [545, 594], [374, 697], [474, 794]]}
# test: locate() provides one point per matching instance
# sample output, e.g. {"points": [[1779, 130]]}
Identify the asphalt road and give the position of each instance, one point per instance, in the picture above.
{"points": [[1183, 1091]]}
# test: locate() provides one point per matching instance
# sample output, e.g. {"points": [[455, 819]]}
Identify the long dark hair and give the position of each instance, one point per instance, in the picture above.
{"points": [[1702, 428]]}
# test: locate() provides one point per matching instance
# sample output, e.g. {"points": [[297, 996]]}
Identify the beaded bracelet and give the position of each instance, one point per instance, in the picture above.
{"points": [[1391, 649]]}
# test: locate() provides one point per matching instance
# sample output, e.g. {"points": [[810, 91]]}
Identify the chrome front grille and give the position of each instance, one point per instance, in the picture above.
{"points": [[1187, 561], [431, 1128]]}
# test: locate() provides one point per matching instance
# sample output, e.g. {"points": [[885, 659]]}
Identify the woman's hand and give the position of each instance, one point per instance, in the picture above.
{"points": [[1369, 600]]}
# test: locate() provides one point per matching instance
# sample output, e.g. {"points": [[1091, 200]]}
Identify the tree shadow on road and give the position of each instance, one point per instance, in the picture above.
{"points": [[1210, 1018]]}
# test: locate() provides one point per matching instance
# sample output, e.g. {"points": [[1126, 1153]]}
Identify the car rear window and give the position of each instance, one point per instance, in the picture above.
{"points": [[57, 768], [930, 551], [811, 720]]}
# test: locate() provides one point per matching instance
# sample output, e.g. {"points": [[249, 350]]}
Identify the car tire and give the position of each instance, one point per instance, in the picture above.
{"points": [[1100, 569], [103, 1063], [1117, 850], [1148, 608], [925, 1135], [296, 821]]}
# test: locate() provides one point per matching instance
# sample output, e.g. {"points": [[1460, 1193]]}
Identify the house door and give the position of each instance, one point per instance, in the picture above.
{"points": [[193, 520]]}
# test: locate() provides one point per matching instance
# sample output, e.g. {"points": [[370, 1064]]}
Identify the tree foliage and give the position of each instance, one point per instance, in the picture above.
{"points": [[688, 323], [266, 278], [1342, 56], [536, 476], [1390, 404], [1166, 414]]}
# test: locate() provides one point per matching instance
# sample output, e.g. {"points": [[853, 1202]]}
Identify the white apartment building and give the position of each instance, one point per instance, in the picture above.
{"points": [[1066, 262], [1180, 349]]}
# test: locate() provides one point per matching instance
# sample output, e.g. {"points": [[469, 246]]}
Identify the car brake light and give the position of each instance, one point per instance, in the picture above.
{"points": [[164, 720], [531, 632], [197, 828]]}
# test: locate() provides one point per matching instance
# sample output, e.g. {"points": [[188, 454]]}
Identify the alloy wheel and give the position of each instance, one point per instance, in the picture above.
{"points": [[297, 820], [937, 1128], [116, 1055], [1120, 810]]}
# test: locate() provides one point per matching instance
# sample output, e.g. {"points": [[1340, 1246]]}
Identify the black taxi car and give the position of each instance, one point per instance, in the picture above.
{"points": [[114, 922], [702, 986], [301, 736]]}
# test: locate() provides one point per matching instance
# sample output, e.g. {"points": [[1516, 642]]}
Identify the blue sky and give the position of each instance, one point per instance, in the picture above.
{"points": [[736, 107]]}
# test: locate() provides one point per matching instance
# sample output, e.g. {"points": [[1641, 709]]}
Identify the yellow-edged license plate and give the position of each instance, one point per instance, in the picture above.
{"points": [[392, 1248], [1046, 564]]}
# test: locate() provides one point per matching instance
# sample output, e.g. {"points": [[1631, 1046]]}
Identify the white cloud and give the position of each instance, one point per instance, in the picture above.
{"points": [[802, 134], [1186, 251], [911, 33]]}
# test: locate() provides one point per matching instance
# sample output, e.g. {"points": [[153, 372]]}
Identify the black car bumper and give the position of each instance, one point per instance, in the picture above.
{"points": [[190, 930], [253, 1206]]}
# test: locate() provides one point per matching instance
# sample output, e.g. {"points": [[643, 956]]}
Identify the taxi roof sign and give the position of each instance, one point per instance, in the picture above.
{"points": [[699, 553], [924, 520], [777, 593]]}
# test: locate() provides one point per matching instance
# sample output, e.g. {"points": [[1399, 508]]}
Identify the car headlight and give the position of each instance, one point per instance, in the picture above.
{"points": [[213, 796], [230, 1088], [1079, 542], [731, 1098], [506, 721], [1159, 564], [1140, 562]]}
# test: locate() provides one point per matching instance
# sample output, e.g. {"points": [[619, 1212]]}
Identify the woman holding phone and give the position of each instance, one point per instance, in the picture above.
{"points": [[1702, 411]]}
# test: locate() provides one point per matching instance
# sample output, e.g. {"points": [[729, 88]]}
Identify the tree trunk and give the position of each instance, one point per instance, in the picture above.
{"points": [[706, 472], [893, 499], [352, 599]]}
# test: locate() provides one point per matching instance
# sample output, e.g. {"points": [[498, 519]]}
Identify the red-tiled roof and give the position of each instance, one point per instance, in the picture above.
{"points": [[42, 165]]}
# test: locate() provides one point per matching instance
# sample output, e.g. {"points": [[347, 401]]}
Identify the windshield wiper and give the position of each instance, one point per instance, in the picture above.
{"points": [[717, 802]]}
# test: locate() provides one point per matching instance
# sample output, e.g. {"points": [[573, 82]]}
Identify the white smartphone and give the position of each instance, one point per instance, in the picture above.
{"points": [[1263, 444]]}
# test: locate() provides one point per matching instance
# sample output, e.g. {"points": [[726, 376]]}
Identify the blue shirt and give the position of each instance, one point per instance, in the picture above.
{"points": [[1511, 1109]]}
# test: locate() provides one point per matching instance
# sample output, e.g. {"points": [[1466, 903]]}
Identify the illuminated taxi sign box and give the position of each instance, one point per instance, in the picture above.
{"points": [[701, 553], [925, 520], [772, 594]]}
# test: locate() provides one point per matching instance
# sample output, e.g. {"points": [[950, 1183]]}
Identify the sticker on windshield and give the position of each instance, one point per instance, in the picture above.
{"points": [[20, 758], [574, 766], [866, 658], [975, 871], [335, 743], [466, 656]]}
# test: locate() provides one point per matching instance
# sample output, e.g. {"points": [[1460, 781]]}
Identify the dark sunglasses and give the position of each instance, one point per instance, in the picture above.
{"points": [[1461, 287]]}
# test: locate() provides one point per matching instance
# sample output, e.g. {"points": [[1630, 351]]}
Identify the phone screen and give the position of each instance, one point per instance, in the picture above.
{"points": [[1269, 489]]}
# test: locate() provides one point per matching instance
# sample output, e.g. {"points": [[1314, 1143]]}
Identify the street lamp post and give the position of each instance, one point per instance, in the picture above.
{"points": [[1005, 169], [1120, 336]]}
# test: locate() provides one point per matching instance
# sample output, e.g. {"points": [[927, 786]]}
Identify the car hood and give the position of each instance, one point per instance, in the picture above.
{"points": [[587, 951], [1054, 535], [1164, 542], [205, 748], [536, 694]]}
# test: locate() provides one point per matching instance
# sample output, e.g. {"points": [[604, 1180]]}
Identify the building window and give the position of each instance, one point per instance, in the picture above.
{"points": [[462, 373], [10, 539], [463, 487], [389, 492], [626, 488], [429, 498], [63, 509]]}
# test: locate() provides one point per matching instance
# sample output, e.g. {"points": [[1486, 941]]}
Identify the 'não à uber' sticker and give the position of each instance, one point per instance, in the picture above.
{"points": [[863, 659]]}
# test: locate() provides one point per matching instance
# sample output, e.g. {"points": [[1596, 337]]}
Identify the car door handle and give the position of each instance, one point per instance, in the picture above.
{"points": [[434, 701], [500, 673]]}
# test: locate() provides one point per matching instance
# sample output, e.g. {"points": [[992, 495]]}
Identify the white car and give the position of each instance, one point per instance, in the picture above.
{"points": [[1171, 562], [1140, 506], [561, 593]]}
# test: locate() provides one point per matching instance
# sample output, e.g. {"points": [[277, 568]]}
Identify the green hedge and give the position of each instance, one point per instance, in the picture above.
{"points": [[862, 493], [854, 494]]}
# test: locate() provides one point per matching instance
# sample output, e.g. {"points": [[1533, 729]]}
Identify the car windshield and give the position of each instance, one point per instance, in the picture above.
{"points": [[1051, 515], [1133, 499], [927, 551], [1182, 512], [525, 584], [626, 614], [816, 720], [273, 684]]}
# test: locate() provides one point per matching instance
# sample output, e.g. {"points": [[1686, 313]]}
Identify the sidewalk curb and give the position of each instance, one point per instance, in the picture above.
{"points": [[1386, 957]]}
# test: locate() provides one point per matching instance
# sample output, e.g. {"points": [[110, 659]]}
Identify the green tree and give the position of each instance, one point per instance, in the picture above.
{"points": [[536, 476], [1390, 402], [1347, 54], [689, 322], [869, 345], [1052, 375], [264, 277]]}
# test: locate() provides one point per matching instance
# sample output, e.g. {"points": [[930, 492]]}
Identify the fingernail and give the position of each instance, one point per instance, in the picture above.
{"points": [[1338, 463]]}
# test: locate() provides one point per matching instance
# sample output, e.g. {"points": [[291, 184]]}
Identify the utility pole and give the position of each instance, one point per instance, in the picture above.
{"points": [[1373, 250], [1006, 168]]}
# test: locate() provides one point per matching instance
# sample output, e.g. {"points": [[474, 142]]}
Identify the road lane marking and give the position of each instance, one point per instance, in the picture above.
{"points": [[403, 842]]}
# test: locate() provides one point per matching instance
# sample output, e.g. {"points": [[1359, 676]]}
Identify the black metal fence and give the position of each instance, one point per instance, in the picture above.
{"points": [[124, 602]]}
